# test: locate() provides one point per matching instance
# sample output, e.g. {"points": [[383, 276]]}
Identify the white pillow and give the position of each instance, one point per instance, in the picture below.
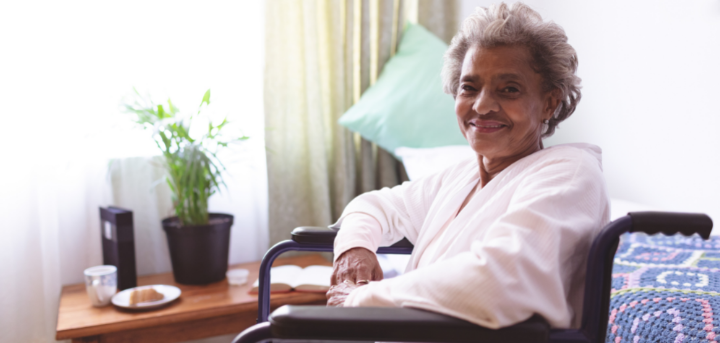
{"points": [[392, 264], [620, 208], [421, 162]]}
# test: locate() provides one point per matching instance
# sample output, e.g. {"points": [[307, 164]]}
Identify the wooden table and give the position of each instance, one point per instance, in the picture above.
{"points": [[201, 311]]}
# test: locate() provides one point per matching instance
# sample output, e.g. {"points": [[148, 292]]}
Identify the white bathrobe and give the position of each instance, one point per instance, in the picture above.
{"points": [[518, 247]]}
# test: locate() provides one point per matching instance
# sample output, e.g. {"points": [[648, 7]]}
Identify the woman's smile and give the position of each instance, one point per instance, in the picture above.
{"points": [[486, 126]]}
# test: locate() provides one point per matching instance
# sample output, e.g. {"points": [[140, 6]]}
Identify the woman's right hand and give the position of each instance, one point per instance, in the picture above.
{"points": [[356, 265]]}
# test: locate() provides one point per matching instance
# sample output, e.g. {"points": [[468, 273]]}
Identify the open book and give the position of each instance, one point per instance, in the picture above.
{"points": [[308, 279]]}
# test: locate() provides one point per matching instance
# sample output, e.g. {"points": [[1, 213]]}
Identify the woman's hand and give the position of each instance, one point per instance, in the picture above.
{"points": [[337, 294], [354, 268], [356, 265]]}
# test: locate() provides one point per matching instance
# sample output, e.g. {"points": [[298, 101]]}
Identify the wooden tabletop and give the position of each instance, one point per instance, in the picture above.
{"points": [[78, 318]]}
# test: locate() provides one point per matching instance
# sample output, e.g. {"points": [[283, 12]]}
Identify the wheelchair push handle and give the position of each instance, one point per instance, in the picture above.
{"points": [[670, 223]]}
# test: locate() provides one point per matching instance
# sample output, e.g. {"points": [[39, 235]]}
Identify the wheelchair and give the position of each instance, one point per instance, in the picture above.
{"points": [[414, 325]]}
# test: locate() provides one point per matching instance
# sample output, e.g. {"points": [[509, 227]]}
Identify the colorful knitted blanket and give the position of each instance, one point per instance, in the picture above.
{"points": [[665, 289]]}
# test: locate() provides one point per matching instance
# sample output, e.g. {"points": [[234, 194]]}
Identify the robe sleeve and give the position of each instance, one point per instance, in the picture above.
{"points": [[359, 230], [384, 217], [525, 263]]}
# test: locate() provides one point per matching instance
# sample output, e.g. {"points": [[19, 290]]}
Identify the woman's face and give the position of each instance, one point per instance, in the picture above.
{"points": [[500, 105]]}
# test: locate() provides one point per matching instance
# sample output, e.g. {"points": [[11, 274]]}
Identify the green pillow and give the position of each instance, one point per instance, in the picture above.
{"points": [[407, 107]]}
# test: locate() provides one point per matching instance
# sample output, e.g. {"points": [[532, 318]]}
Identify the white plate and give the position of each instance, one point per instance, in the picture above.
{"points": [[170, 293]]}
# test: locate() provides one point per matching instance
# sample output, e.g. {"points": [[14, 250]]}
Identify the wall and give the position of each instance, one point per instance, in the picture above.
{"points": [[650, 73], [64, 69]]}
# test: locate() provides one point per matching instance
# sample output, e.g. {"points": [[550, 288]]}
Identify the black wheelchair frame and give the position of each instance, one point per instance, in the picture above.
{"points": [[414, 325]]}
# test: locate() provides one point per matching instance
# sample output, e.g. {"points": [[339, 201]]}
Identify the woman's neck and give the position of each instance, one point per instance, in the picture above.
{"points": [[491, 167]]}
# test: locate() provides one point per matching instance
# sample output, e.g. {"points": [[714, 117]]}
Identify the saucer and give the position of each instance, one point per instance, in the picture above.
{"points": [[170, 293]]}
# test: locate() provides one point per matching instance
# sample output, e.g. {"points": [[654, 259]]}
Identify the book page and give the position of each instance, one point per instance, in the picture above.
{"points": [[313, 279], [281, 279]]}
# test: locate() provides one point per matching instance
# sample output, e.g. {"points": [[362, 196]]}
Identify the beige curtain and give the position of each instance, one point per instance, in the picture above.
{"points": [[320, 56]]}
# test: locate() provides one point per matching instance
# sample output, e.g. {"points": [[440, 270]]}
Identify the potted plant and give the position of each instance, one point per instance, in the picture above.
{"points": [[198, 241]]}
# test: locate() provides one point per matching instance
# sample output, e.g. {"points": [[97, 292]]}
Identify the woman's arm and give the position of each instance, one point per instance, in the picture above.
{"points": [[523, 266], [375, 219], [389, 214]]}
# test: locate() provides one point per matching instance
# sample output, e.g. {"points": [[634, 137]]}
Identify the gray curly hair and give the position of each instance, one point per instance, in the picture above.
{"points": [[518, 24]]}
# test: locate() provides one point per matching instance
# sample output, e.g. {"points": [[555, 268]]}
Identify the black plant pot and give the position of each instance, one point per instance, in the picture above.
{"points": [[199, 253]]}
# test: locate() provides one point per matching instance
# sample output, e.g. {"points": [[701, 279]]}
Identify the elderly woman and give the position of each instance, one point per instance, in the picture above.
{"points": [[503, 236]]}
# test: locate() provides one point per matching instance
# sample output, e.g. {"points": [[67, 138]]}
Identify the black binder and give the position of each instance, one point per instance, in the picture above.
{"points": [[118, 242]]}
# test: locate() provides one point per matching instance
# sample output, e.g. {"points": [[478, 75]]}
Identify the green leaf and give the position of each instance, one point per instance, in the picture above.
{"points": [[160, 112], [206, 98], [173, 109], [166, 141], [225, 121], [183, 133]]}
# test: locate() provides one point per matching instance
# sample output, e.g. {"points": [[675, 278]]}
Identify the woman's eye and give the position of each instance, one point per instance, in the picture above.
{"points": [[510, 90], [467, 88]]}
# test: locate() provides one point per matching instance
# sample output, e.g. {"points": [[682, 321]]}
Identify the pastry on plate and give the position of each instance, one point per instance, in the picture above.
{"points": [[143, 295]]}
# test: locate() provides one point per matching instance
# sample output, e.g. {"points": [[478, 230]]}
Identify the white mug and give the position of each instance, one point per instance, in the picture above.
{"points": [[101, 284]]}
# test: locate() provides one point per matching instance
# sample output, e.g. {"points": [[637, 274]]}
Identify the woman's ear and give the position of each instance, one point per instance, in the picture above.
{"points": [[552, 101]]}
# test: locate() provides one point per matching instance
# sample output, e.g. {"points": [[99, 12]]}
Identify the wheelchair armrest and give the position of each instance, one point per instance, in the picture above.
{"points": [[325, 236], [313, 235], [394, 325], [670, 223]]}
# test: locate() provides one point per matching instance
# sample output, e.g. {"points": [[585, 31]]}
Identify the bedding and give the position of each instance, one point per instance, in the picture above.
{"points": [[665, 289]]}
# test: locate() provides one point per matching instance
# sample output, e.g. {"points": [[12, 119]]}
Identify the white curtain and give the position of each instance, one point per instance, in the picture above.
{"points": [[64, 68], [320, 56], [49, 234]]}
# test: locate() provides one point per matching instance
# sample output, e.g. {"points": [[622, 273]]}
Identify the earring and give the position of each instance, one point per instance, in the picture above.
{"points": [[545, 126]]}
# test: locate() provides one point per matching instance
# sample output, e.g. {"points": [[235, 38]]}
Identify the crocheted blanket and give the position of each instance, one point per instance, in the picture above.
{"points": [[665, 289]]}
